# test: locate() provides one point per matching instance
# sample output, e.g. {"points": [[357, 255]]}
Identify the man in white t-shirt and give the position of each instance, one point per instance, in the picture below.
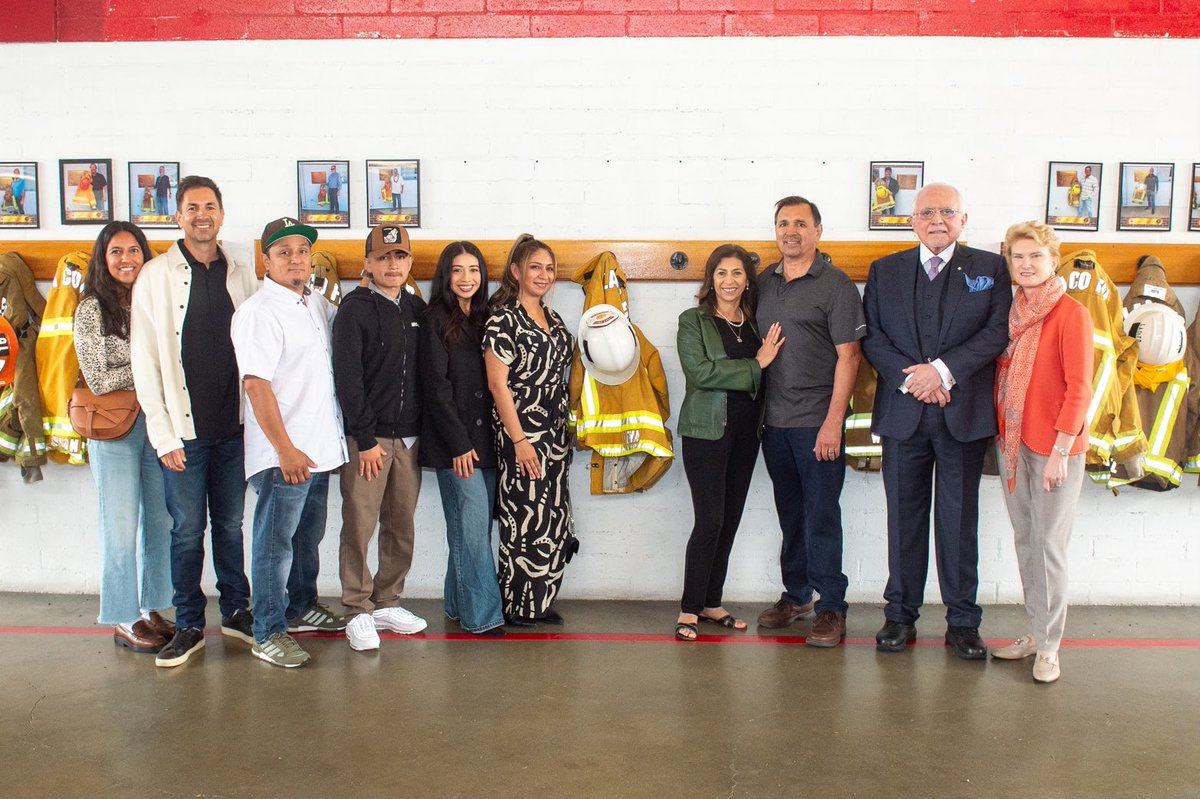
{"points": [[1089, 189], [293, 439]]}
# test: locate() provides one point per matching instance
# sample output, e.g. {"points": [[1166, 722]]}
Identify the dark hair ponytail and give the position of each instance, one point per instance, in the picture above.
{"points": [[525, 246]]}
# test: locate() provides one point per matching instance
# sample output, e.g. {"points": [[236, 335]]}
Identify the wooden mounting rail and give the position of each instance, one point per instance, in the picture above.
{"points": [[651, 260]]}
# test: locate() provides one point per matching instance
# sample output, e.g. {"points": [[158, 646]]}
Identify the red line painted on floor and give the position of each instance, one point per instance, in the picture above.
{"points": [[645, 638]]}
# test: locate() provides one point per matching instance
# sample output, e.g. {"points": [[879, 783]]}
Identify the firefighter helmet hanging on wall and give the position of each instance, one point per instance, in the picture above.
{"points": [[608, 347], [1160, 332]]}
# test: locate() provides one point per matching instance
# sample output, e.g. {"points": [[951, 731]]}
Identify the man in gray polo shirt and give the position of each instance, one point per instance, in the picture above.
{"points": [[808, 391]]}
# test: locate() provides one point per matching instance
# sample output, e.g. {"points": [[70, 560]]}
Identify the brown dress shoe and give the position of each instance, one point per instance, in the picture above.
{"points": [[140, 637], [784, 612], [161, 625], [828, 630]]}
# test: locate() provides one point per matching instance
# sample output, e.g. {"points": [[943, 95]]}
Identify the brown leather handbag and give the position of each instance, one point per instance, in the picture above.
{"points": [[102, 417]]}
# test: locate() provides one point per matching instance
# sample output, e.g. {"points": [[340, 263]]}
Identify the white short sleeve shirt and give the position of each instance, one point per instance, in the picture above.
{"points": [[285, 338]]}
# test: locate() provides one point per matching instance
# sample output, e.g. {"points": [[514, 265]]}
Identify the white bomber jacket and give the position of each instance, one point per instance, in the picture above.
{"points": [[160, 299]]}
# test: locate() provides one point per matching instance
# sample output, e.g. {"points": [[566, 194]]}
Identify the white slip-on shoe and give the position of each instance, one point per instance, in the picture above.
{"points": [[360, 632], [1046, 668], [1019, 649], [398, 620]]}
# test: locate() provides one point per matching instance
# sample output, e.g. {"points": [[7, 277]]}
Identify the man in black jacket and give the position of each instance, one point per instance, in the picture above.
{"points": [[375, 352]]}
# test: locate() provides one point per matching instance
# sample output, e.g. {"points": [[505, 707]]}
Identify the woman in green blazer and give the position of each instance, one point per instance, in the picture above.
{"points": [[723, 359]]}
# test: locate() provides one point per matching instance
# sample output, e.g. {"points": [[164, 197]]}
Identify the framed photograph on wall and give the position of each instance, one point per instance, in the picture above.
{"points": [[152, 187], [1073, 195], [1194, 202], [892, 190], [19, 194], [86, 191], [394, 192], [1144, 196], [321, 193]]}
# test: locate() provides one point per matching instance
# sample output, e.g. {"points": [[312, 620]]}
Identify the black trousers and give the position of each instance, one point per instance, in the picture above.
{"points": [[718, 473], [931, 469]]}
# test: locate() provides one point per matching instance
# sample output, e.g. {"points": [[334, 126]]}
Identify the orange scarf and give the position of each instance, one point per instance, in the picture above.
{"points": [[1029, 310]]}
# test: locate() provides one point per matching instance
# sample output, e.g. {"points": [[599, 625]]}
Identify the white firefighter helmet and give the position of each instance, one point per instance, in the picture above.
{"points": [[608, 345], [1160, 332]]}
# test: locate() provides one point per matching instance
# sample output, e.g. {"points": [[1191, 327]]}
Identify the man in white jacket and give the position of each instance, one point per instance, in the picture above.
{"points": [[186, 375]]}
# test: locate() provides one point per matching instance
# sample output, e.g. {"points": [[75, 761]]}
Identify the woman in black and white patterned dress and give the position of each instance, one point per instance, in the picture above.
{"points": [[527, 351]]}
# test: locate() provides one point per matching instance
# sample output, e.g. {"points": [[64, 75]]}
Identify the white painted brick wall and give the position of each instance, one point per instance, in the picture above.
{"points": [[687, 139]]}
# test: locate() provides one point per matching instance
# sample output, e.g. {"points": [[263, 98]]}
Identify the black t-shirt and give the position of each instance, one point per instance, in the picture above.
{"points": [[209, 363], [746, 348]]}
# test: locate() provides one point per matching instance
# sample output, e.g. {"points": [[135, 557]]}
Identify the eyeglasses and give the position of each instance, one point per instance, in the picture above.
{"points": [[930, 213]]}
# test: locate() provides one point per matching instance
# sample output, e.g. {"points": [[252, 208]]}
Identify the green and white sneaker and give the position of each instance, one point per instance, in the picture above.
{"points": [[280, 650], [318, 619]]}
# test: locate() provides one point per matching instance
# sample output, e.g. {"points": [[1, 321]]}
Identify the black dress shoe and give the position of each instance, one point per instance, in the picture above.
{"points": [[551, 616], [966, 643], [895, 636], [513, 621]]}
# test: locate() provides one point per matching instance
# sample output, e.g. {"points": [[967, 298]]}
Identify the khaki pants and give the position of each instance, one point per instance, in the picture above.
{"points": [[391, 500], [1041, 523]]}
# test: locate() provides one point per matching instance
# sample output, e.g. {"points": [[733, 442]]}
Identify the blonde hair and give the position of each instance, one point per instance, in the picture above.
{"points": [[1035, 231]]}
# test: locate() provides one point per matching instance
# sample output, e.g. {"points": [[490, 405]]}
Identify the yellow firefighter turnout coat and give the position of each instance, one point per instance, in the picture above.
{"points": [[58, 366], [864, 449], [1192, 361], [625, 425], [21, 436], [1161, 404], [1116, 444]]}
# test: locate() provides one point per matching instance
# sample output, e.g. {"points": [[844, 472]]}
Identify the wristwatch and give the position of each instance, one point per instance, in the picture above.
{"points": [[1066, 453]]}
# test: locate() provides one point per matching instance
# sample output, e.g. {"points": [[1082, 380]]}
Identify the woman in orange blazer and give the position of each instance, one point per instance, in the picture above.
{"points": [[1043, 387]]}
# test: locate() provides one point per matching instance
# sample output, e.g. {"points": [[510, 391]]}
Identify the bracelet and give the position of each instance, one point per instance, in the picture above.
{"points": [[519, 440], [1066, 453]]}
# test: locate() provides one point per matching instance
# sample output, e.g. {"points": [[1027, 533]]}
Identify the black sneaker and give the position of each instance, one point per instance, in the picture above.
{"points": [[238, 626], [187, 641]]}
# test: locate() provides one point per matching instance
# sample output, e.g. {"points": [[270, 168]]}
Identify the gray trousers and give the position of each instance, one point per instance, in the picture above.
{"points": [[1042, 523]]}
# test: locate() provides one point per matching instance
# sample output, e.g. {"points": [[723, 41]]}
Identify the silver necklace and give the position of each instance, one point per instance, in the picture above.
{"points": [[735, 329]]}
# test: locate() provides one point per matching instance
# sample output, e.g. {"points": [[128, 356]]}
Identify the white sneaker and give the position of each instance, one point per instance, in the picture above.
{"points": [[360, 632], [1046, 668], [398, 620], [1019, 649]]}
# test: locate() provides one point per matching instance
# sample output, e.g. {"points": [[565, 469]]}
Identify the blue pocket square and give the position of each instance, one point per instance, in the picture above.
{"points": [[981, 283]]}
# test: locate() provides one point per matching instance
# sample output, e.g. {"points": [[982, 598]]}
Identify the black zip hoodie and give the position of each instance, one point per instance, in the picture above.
{"points": [[376, 344]]}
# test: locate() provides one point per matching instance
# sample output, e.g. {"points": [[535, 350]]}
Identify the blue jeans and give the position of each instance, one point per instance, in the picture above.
{"points": [[133, 516], [1085, 208], [289, 523], [808, 500], [472, 593], [212, 486]]}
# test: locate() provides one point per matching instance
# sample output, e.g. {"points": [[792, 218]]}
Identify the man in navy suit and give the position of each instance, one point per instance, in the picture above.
{"points": [[937, 317]]}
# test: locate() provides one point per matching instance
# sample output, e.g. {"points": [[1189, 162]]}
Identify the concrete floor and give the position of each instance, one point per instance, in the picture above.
{"points": [[625, 713]]}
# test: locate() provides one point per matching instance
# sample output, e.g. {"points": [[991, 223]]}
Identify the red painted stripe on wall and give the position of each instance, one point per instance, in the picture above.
{"points": [[154, 20]]}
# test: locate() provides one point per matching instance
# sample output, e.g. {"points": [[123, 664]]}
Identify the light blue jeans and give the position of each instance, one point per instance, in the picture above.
{"points": [[133, 509], [472, 593], [289, 523]]}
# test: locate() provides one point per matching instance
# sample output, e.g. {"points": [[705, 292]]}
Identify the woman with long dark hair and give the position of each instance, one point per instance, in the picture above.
{"points": [[456, 438], [723, 359], [527, 351], [129, 481]]}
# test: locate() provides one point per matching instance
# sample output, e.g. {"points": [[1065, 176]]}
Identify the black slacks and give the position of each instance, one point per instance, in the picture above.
{"points": [[718, 474]]}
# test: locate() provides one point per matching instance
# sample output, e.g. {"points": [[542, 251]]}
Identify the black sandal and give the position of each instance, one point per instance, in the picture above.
{"points": [[727, 621], [683, 626]]}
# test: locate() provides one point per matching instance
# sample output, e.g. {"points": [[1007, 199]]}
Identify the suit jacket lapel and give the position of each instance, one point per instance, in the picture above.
{"points": [[959, 266], [909, 268]]}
